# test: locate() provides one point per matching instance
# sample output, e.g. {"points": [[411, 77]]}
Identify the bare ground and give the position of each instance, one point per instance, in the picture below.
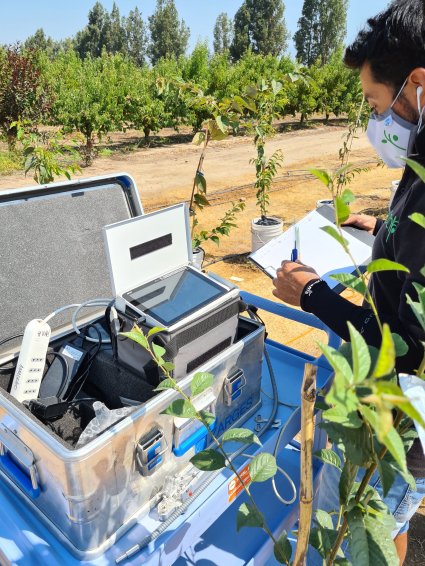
{"points": [[164, 175]]}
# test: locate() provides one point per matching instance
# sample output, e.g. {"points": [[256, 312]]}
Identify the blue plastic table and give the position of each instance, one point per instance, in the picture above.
{"points": [[206, 534]]}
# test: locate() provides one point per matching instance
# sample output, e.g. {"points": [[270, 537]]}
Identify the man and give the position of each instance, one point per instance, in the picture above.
{"points": [[390, 55]]}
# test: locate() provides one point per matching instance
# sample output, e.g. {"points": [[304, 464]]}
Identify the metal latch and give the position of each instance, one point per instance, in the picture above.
{"points": [[150, 450], [11, 443], [233, 385]]}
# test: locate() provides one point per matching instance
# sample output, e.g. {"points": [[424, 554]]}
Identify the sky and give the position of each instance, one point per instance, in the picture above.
{"points": [[60, 19]]}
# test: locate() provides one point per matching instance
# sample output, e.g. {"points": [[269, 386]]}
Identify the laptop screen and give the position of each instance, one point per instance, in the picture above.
{"points": [[175, 296]]}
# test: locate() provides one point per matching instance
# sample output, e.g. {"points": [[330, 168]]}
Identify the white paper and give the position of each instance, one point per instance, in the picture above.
{"points": [[414, 388], [316, 249]]}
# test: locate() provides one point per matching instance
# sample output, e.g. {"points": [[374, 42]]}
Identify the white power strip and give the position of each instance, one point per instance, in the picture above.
{"points": [[31, 361]]}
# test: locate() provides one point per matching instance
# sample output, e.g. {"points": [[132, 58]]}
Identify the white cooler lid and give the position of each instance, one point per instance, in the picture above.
{"points": [[141, 249]]}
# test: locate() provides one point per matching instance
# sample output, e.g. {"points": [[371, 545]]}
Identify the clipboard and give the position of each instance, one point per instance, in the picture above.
{"points": [[317, 248]]}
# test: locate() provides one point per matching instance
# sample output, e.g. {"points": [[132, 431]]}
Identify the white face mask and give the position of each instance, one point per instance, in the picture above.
{"points": [[390, 134]]}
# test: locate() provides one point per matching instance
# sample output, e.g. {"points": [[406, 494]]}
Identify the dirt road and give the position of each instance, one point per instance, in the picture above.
{"points": [[160, 172]]}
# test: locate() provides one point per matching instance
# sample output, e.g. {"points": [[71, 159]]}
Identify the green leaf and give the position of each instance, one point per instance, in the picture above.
{"points": [[385, 265], [198, 138], [348, 196], [167, 366], [346, 481], [208, 417], [200, 382], [180, 408], [201, 182], [221, 126], [381, 546], [351, 281], [342, 211], [324, 519], [262, 467], [337, 361], [355, 442], [249, 516], [328, 456], [137, 336], [243, 435], [358, 542], [158, 350], [155, 330], [208, 460], [360, 355], [418, 169], [323, 176], [401, 348], [283, 549], [387, 475], [386, 357], [336, 235], [166, 384], [391, 440], [418, 218]]}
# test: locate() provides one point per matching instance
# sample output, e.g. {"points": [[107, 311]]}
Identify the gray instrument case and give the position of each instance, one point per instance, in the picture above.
{"points": [[152, 277], [52, 255]]}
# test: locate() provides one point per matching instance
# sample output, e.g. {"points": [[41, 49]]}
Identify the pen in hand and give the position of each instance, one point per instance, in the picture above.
{"points": [[295, 253]]}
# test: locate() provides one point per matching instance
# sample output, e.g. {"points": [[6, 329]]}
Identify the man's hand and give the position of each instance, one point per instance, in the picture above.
{"points": [[290, 280], [361, 221]]}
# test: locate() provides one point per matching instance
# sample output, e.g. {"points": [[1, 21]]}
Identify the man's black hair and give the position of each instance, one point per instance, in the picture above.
{"points": [[393, 43]]}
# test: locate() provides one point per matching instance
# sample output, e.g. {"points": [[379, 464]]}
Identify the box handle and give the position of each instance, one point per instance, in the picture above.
{"points": [[18, 461], [197, 439]]}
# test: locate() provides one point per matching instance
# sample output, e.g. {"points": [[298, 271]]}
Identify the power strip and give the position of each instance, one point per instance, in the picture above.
{"points": [[31, 361]]}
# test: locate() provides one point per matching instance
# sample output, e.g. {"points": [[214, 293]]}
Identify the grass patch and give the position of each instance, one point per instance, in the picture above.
{"points": [[105, 152], [10, 162]]}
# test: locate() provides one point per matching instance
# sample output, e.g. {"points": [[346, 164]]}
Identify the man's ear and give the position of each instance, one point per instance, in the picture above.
{"points": [[417, 78]]}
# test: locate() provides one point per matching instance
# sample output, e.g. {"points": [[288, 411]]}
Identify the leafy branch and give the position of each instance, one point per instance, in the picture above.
{"points": [[261, 468]]}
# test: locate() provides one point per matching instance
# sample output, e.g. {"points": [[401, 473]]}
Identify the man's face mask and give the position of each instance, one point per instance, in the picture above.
{"points": [[390, 134]]}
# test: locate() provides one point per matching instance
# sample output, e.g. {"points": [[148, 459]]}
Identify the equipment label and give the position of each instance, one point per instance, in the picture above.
{"points": [[235, 486]]}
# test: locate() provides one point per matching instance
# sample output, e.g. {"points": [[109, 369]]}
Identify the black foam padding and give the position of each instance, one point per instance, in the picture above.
{"points": [[53, 253], [109, 381]]}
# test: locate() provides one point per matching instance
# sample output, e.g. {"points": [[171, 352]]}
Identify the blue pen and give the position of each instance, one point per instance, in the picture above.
{"points": [[295, 250]]}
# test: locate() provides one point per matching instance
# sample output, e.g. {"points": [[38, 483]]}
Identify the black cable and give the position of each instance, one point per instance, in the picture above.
{"points": [[13, 366], [76, 387]]}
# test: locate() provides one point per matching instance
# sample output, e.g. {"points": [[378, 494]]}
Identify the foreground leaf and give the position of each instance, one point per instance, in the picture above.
{"points": [[328, 456], [360, 355], [387, 475], [249, 516], [323, 176], [335, 235], [208, 460], [137, 336], [180, 408], [386, 357], [418, 218], [351, 282], [346, 482], [243, 435], [200, 382], [283, 549], [391, 440], [165, 384], [342, 211], [358, 541], [262, 467], [385, 265]]}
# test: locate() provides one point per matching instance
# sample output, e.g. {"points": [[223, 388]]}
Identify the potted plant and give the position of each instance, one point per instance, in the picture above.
{"points": [[266, 104], [198, 201]]}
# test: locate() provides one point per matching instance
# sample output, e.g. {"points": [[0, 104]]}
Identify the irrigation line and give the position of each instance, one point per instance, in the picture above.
{"points": [[293, 176]]}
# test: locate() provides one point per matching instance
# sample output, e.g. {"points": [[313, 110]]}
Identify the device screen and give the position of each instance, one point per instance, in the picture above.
{"points": [[175, 296]]}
